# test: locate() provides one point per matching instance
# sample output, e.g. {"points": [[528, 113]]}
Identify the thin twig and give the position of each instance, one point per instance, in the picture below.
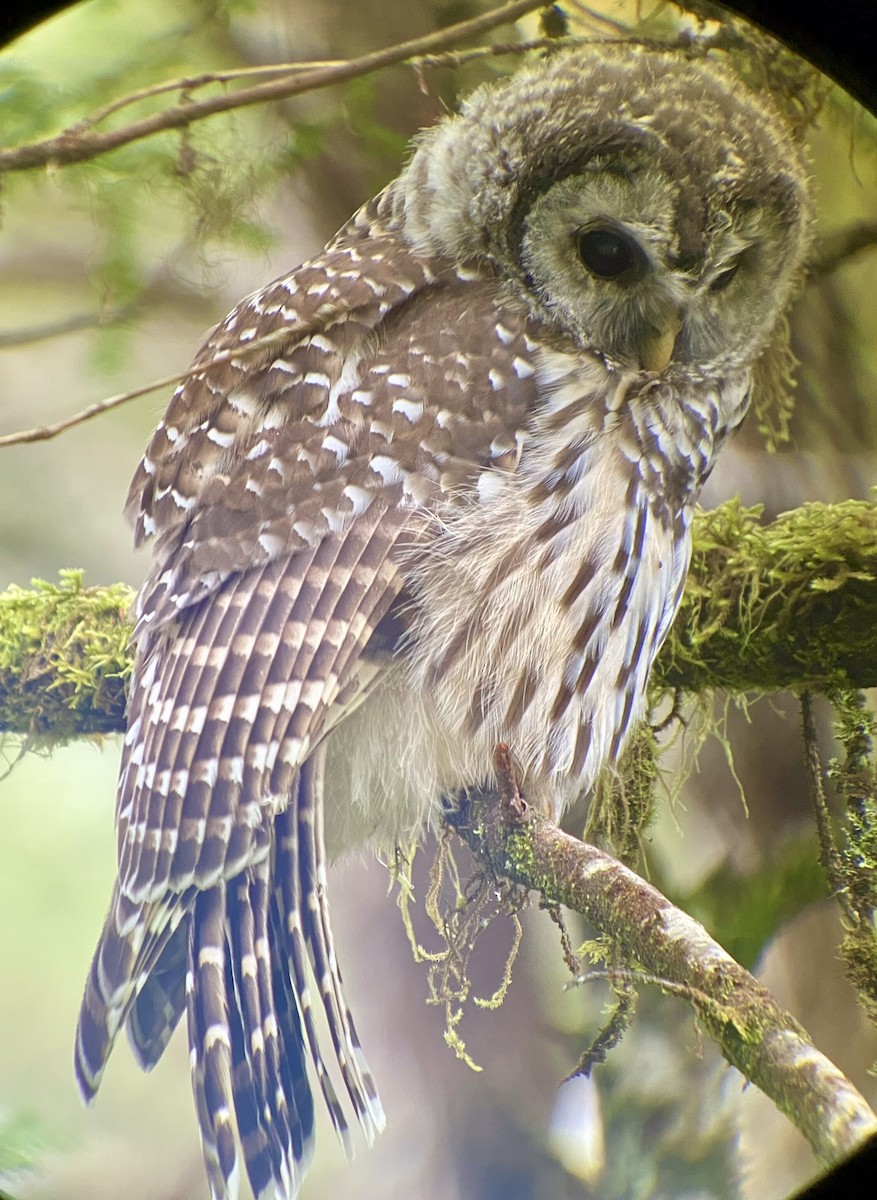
{"points": [[73, 146], [28, 334], [633, 975], [42, 433], [191, 83]]}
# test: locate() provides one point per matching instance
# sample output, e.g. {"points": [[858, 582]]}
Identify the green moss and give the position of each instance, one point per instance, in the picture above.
{"points": [[789, 604], [624, 799], [64, 659]]}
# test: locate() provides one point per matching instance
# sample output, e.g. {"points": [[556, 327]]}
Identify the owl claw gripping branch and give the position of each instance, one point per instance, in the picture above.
{"points": [[449, 508]]}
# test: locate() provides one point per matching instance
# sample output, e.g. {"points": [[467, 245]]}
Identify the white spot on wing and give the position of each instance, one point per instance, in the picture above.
{"points": [[181, 501], [272, 544], [387, 468], [359, 497], [412, 409], [221, 439], [336, 446]]}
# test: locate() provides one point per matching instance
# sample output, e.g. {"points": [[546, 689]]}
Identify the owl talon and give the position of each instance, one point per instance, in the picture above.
{"points": [[507, 783]]}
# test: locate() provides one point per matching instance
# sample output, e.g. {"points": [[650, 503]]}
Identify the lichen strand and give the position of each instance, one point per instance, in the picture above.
{"points": [[856, 782], [789, 604], [773, 387], [64, 659], [623, 803]]}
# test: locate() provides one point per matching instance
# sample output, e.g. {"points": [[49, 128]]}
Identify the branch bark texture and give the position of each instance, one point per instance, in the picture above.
{"points": [[754, 1033]]}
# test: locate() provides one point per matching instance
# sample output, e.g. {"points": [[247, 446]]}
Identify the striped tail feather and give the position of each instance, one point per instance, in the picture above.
{"points": [[161, 1002], [238, 959], [318, 936], [132, 943]]}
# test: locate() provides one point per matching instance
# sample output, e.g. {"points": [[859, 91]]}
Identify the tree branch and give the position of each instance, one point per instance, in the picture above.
{"points": [[830, 253], [79, 143], [788, 604], [191, 83], [43, 433], [753, 1032], [795, 601]]}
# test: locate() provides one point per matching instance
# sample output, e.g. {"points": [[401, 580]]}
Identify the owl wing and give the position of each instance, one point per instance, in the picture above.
{"points": [[277, 487]]}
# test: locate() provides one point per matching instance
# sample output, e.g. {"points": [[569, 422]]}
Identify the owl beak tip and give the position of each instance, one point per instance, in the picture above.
{"points": [[656, 347]]}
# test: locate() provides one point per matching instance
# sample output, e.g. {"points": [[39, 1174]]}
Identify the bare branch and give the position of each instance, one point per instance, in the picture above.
{"points": [[28, 334], [760, 1039], [77, 144], [830, 253], [191, 83]]}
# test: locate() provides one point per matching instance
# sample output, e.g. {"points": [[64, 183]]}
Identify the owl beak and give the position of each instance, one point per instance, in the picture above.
{"points": [[656, 346]]}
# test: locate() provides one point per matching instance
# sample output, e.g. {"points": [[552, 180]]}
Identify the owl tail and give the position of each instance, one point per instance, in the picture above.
{"points": [[247, 1052], [136, 938], [251, 1024], [235, 957]]}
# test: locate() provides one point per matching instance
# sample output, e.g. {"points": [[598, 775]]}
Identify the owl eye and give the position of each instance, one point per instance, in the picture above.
{"points": [[607, 253], [722, 280]]}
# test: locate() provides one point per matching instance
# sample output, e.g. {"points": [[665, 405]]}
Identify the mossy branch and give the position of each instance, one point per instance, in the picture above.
{"points": [[753, 1032], [792, 604]]}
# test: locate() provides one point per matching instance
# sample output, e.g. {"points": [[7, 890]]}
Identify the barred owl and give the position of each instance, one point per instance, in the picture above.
{"points": [[447, 505]]}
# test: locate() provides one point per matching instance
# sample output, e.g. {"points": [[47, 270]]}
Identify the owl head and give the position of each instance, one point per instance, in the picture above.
{"points": [[648, 207]]}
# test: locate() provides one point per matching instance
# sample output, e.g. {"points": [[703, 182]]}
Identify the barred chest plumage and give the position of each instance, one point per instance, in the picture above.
{"points": [[535, 609]]}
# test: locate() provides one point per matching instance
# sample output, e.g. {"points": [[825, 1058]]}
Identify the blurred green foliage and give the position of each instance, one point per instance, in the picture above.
{"points": [[23, 1139], [744, 911]]}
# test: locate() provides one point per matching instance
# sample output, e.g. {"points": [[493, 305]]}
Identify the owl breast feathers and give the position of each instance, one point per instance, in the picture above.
{"points": [[436, 495]]}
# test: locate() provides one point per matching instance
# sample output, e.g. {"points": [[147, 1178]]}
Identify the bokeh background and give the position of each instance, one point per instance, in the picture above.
{"points": [[112, 271]]}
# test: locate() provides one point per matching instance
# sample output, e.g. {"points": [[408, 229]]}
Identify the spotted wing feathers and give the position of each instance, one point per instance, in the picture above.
{"points": [[279, 487]]}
